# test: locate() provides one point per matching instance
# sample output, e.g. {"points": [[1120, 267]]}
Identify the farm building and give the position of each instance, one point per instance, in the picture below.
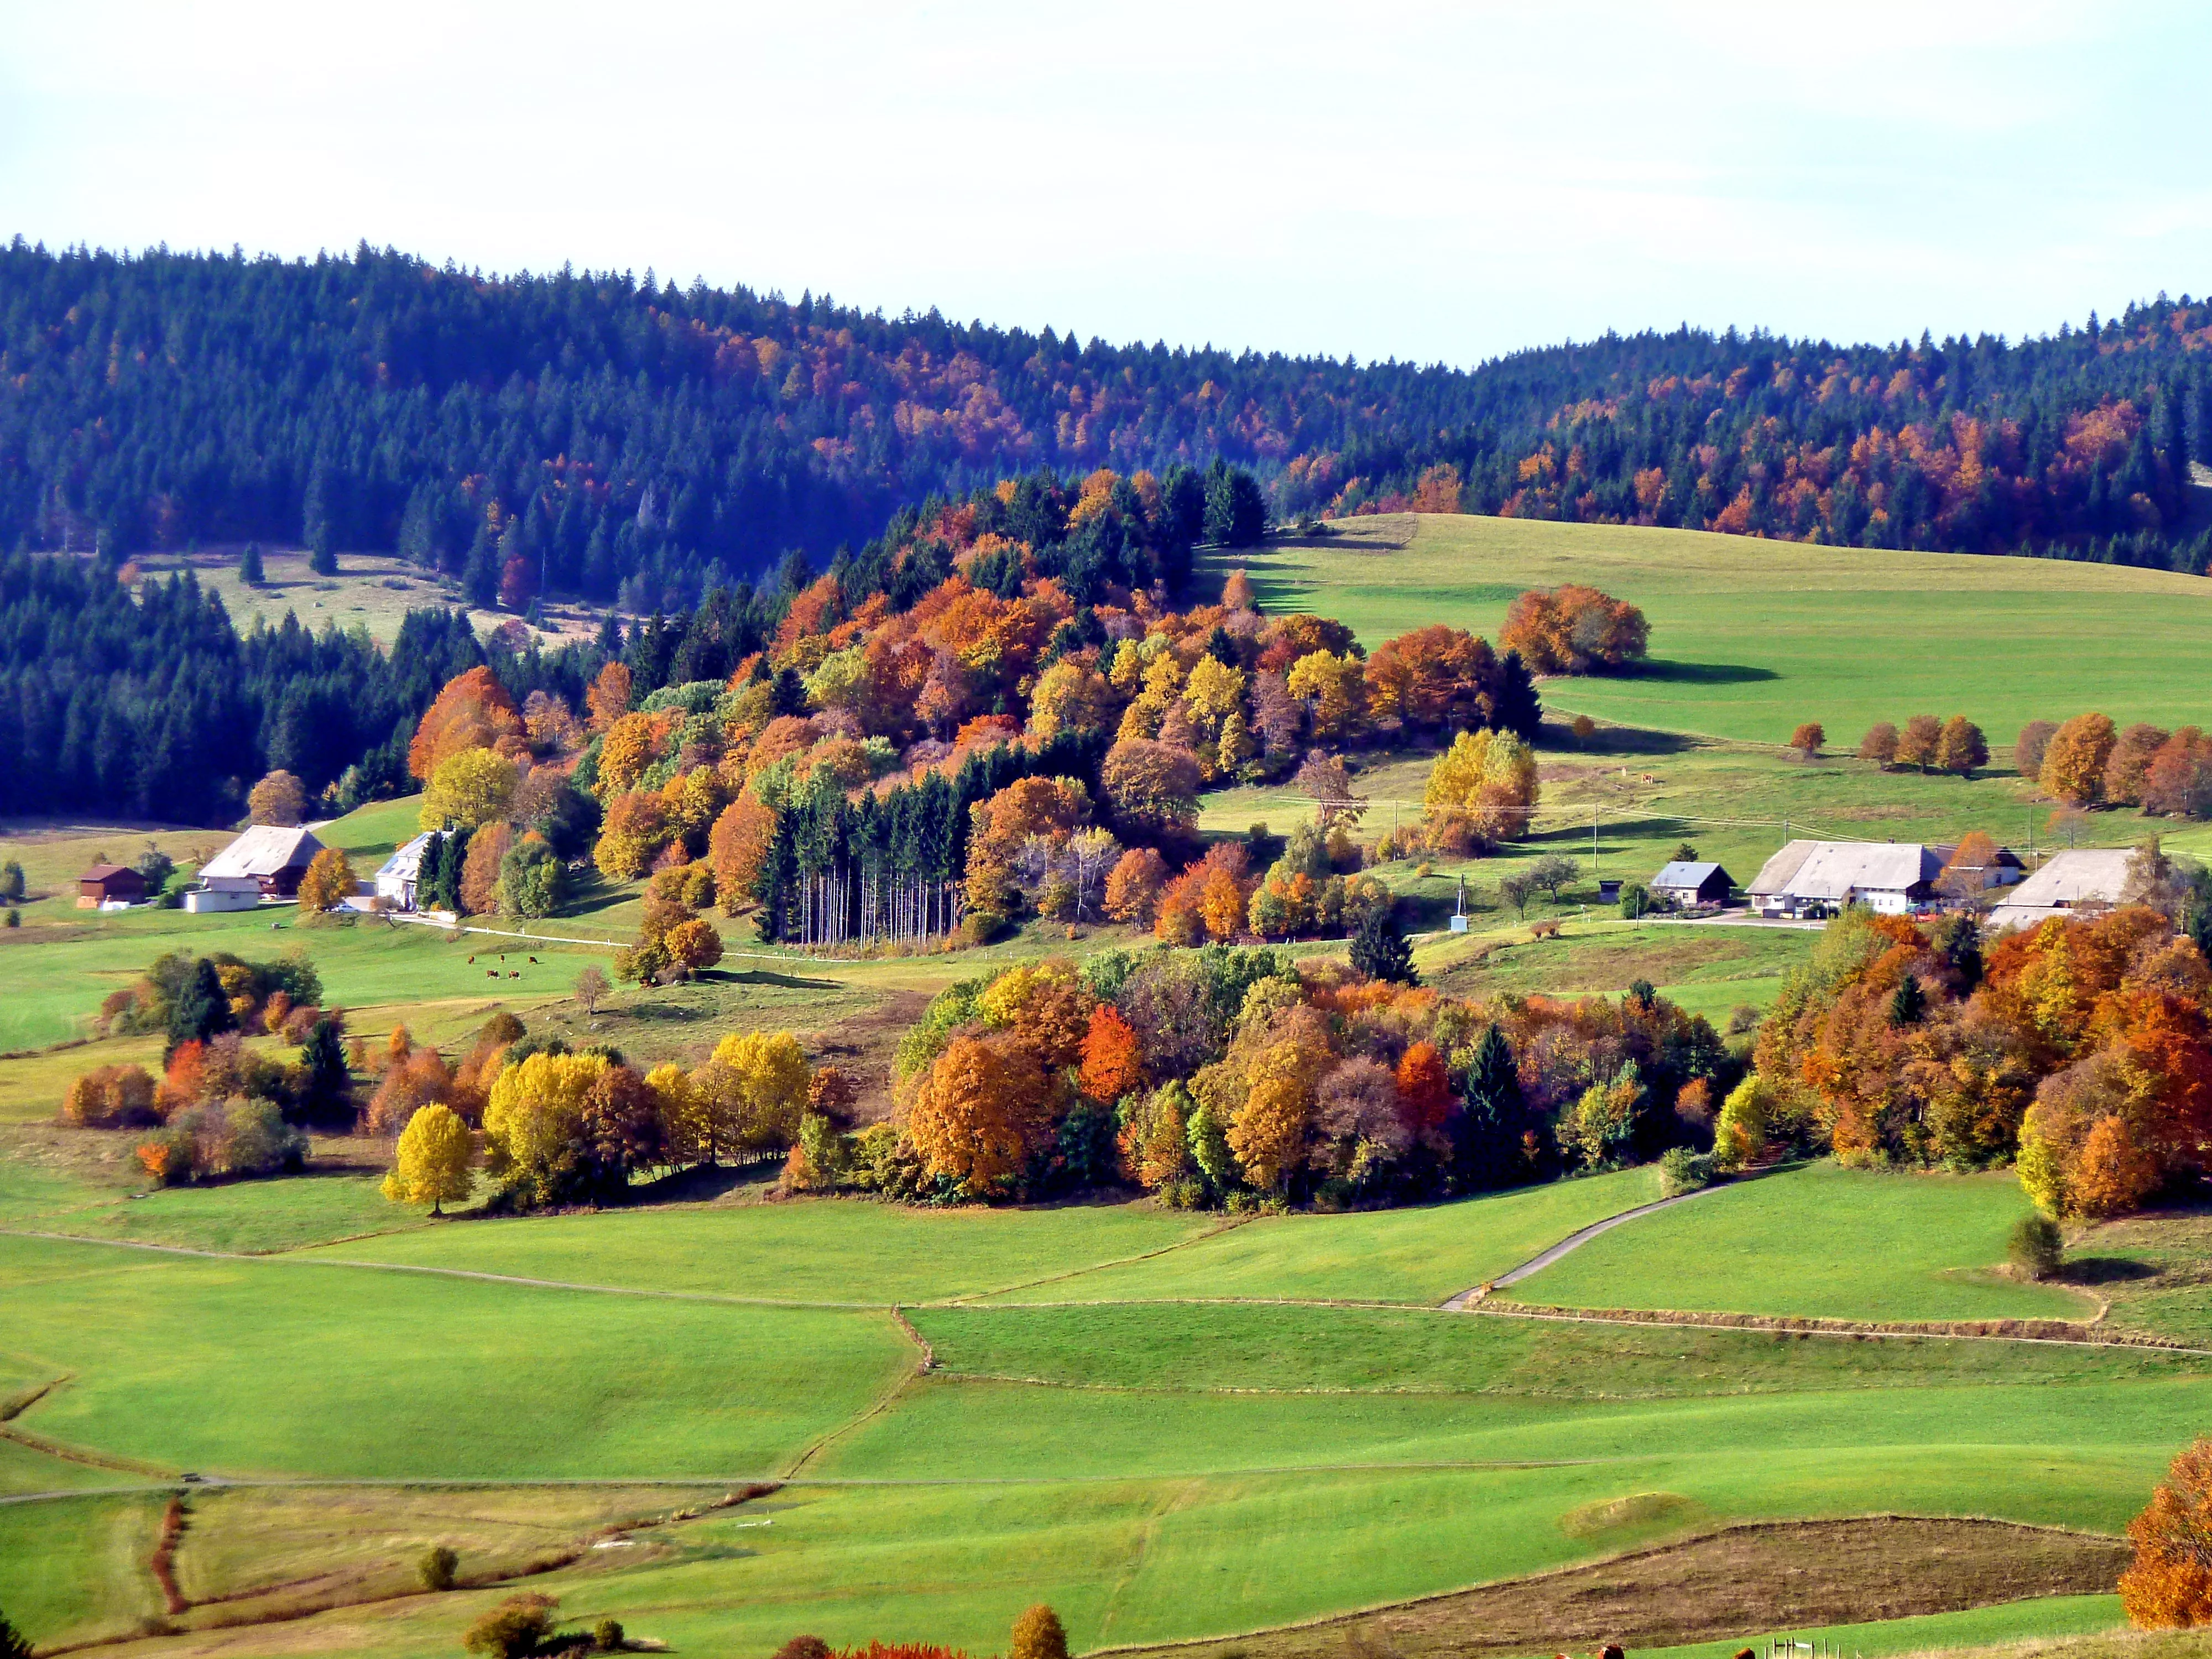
{"points": [[267, 861], [1688, 885], [2003, 870], [1808, 877], [109, 884], [397, 877], [2083, 877]]}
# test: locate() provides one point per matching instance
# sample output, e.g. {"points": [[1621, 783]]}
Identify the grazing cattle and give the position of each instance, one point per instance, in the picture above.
{"points": [[533, 961], [472, 962], [514, 973], [1543, 930]]}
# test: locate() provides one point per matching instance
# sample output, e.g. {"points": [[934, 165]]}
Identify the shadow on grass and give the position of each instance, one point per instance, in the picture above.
{"points": [[1703, 673], [1556, 738], [768, 976], [2104, 1270], [701, 1185]]}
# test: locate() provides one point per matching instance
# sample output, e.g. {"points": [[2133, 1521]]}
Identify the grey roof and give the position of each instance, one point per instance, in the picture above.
{"points": [[2086, 875], [262, 851], [1835, 870], [1680, 874], [406, 863], [1774, 875]]}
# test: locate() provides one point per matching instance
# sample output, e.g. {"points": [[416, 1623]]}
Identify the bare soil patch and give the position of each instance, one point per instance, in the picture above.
{"points": [[1729, 1583]]}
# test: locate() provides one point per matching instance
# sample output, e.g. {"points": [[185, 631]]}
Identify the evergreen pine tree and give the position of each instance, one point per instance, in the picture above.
{"points": [[790, 693], [1908, 1002], [202, 1009], [1515, 707], [327, 1089], [1379, 949], [249, 566], [1488, 1150]]}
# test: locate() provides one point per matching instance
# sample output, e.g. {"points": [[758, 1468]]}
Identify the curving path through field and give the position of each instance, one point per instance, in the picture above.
{"points": [[1574, 1241]]}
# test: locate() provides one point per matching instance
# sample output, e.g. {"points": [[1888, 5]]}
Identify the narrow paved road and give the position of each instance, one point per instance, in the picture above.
{"points": [[1466, 1299]]}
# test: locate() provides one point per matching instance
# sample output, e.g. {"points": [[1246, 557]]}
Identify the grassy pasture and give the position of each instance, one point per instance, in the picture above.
{"points": [[78, 1567], [991, 1431], [1818, 1241], [1749, 637], [832, 1250], [1290, 1348], [2042, 1618], [1415, 1256], [285, 1367], [1144, 1495], [246, 1218]]}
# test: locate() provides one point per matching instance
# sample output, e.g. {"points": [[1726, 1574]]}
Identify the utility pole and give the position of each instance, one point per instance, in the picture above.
{"points": [[1593, 843]]}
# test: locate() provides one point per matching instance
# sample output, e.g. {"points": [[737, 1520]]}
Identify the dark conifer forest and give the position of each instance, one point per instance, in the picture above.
{"points": [[633, 439]]}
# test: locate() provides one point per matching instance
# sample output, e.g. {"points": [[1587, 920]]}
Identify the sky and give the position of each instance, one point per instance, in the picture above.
{"points": [[1427, 182]]}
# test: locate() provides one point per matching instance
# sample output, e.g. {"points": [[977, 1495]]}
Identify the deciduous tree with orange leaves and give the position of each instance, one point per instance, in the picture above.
{"points": [[1113, 1061], [1574, 630], [981, 1112], [2074, 764], [471, 711], [2168, 1586]]}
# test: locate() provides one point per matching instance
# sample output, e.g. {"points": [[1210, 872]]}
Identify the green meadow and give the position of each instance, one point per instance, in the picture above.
{"points": [[174, 1361], [1820, 1241], [1156, 1462], [1416, 1255], [1749, 637]]}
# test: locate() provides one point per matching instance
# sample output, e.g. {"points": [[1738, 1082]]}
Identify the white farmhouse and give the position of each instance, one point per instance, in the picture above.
{"points": [[398, 877], [1808, 877]]}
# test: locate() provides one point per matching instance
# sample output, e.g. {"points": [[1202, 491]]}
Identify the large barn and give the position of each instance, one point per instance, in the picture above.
{"points": [[267, 861], [2080, 878], [1818, 878]]}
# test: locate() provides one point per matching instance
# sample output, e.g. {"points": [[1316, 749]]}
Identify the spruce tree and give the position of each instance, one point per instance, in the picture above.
{"points": [[1908, 1002], [326, 1087], [1379, 949], [249, 566], [1488, 1151], [202, 1009]]}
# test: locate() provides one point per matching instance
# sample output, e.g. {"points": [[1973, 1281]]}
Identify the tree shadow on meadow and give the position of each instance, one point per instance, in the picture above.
{"points": [[1701, 673]]}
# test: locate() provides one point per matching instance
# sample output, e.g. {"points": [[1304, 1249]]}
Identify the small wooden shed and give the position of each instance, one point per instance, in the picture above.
{"points": [[109, 884]]}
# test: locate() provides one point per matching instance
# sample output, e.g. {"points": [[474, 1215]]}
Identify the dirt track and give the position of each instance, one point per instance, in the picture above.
{"points": [[1726, 1584]]}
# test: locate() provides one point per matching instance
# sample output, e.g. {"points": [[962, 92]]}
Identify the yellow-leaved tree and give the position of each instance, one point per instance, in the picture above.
{"points": [[1483, 788], [469, 789], [532, 1122], [433, 1165], [748, 1096], [329, 882]]}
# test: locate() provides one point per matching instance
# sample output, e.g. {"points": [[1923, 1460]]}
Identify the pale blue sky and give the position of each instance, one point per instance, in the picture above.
{"points": [[1426, 181]]}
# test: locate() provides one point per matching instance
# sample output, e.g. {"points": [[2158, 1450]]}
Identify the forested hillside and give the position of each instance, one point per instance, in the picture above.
{"points": [[630, 440], [149, 704]]}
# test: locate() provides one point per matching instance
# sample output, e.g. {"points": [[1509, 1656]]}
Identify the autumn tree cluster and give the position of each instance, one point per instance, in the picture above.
{"points": [[1229, 1076], [2089, 761], [498, 799], [219, 1108], [1927, 743], [2080, 1048], [1575, 630], [554, 1125], [986, 713]]}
